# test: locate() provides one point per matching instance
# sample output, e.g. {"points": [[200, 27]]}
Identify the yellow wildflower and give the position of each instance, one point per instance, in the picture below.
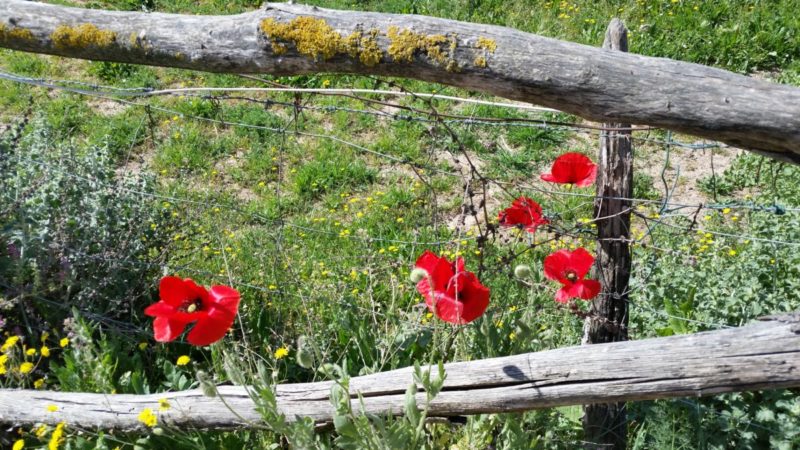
{"points": [[183, 360], [142, 345], [41, 431], [30, 351], [281, 352], [10, 342], [3, 359], [52, 408], [63, 342], [26, 367], [163, 404], [57, 438], [18, 445], [732, 252], [45, 351], [38, 383], [148, 418]]}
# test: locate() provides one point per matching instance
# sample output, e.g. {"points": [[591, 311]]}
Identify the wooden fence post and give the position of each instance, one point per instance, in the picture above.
{"points": [[605, 425]]}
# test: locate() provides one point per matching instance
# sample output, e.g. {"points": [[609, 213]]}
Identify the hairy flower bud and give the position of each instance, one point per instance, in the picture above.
{"points": [[305, 352], [522, 271], [418, 275]]}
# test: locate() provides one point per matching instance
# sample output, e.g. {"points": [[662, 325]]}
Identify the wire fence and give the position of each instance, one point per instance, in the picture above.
{"points": [[671, 213]]}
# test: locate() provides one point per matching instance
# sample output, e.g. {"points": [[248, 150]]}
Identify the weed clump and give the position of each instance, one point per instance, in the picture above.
{"points": [[82, 36]]}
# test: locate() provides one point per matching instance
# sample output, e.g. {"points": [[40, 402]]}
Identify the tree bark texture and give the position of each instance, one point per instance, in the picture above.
{"points": [[763, 355], [605, 424], [283, 39]]}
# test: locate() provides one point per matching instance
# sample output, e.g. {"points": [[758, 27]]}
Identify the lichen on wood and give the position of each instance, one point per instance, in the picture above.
{"points": [[316, 39], [82, 36], [312, 37], [485, 47], [14, 33], [486, 43], [440, 49], [369, 52]]}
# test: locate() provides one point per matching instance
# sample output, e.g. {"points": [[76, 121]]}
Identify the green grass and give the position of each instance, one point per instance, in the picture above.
{"points": [[319, 236]]}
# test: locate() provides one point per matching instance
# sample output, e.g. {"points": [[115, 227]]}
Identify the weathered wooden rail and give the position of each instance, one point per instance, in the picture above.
{"points": [[282, 39], [762, 355]]}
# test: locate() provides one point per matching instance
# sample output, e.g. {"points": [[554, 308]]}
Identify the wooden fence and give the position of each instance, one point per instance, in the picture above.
{"points": [[608, 85]]}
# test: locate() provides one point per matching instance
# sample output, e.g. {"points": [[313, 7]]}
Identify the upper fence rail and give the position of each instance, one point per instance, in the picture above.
{"points": [[601, 85]]}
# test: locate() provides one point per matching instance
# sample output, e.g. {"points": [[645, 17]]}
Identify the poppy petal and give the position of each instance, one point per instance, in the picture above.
{"points": [[587, 177], [555, 264], [439, 270], [549, 178], [581, 261], [225, 297], [161, 308], [166, 330], [562, 295], [446, 308], [175, 291], [207, 331], [475, 298], [572, 168], [589, 289]]}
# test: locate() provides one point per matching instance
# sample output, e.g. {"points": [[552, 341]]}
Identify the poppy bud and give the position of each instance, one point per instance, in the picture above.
{"points": [[305, 353], [418, 275], [206, 385], [522, 271]]}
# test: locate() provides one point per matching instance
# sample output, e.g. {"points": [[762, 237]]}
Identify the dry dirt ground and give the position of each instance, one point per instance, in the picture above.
{"points": [[689, 166]]}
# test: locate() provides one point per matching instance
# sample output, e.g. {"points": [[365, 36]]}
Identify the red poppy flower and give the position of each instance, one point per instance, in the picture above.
{"points": [[456, 295], [572, 168], [183, 302], [524, 213], [569, 269]]}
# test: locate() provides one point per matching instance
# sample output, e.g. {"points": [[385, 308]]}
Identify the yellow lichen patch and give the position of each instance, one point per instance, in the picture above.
{"points": [[312, 37], [351, 44], [403, 44], [480, 61], [369, 52], [14, 33], [486, 43], [82, 36], [318, 40]]}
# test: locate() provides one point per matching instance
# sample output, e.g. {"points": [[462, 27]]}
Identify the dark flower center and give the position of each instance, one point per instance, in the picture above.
{"points": [[571, 276], [190, 306]]}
